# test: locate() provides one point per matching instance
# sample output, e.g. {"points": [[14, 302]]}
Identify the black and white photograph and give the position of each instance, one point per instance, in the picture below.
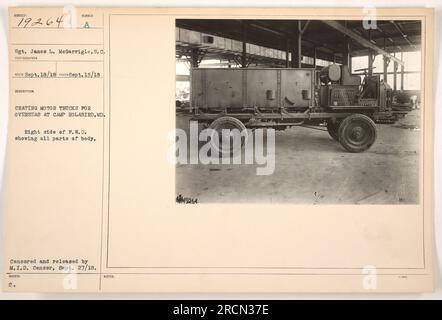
{"points": [[298, 111], [300, 159]]}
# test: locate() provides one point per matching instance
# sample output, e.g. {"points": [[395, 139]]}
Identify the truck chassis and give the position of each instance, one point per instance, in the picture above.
{"points": [[352, 124]]}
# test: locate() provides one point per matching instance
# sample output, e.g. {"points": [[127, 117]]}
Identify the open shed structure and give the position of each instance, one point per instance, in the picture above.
{"points": [[299, 43], [329, 86]]}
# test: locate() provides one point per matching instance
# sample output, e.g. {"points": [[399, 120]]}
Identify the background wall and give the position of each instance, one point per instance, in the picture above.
{"points": [[4, 4]]}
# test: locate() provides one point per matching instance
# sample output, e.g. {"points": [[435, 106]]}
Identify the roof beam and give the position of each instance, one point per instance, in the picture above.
{"points": [[257, 26], [366, 43], [302, 29], [404, 48], [402, 33]]}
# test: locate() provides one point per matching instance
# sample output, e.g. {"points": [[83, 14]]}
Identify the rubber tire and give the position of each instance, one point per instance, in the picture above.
{"points": [[344, 135], [226, 120], [333, 130]]}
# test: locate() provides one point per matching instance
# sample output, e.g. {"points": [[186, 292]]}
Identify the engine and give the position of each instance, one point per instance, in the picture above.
{"points": [[341, 90]]}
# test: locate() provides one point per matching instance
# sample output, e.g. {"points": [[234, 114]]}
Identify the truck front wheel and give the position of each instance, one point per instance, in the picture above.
{"points": [[357, 133]]}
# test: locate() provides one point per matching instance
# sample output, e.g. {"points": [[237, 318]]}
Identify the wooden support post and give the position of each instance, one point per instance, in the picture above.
{"points": [[314, 57], [370, 56], [386, 61], [294, 57], [395, 76], [370, 62], [346, 58], [402, 72], [299, 50], [296, 47], [287, 53], [244, 46], [194, 59], [349, 55], [385, 68]]}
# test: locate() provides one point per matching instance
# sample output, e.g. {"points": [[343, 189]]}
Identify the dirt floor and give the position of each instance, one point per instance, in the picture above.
{"points": [[311, 168]]}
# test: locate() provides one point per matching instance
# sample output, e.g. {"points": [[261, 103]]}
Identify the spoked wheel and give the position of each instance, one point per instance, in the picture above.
{"points": [[231, 135], [357, 133], [333, 129]]}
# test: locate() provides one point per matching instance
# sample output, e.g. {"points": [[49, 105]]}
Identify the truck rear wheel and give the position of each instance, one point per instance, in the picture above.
{"points": [[357, 133], [224, 126], [333, 129]]}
